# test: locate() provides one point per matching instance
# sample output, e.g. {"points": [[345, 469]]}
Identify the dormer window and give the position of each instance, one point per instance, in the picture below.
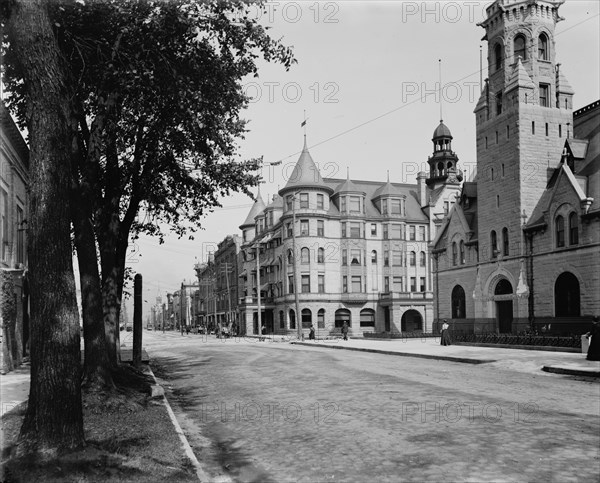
{"points": [[343, 204], [396, 207], [384, 207], [355, 204]]}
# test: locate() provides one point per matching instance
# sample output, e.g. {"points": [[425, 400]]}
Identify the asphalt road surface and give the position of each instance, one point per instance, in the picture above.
{"points": [[264, 411]]}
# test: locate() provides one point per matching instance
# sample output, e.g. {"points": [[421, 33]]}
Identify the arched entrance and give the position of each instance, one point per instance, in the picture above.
{"points": [[411, 321], [567, 296], [503, 294]]}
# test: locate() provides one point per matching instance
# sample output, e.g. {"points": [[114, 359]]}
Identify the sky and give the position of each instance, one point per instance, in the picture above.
{"points": [[367, 82]]}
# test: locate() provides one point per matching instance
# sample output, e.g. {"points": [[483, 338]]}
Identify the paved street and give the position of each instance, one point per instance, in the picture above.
{"points": [[261, 411]]}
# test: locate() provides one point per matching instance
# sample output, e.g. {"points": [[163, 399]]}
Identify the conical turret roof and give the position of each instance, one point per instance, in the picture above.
{"points": [[257, 209], [305, 174]]}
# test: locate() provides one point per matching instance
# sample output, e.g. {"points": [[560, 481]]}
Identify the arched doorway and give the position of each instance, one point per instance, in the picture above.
{"points": [[341, 316], [411, 321], [458, 302], [566, 296], [504, 306]]}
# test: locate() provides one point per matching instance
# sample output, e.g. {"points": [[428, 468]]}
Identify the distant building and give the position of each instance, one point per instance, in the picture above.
{"points": [[521, 248], [14, 182]]}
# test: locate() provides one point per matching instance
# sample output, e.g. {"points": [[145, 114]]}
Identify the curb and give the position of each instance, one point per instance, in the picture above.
{"points": [[571, 372], [404, 354], [202, 476]]}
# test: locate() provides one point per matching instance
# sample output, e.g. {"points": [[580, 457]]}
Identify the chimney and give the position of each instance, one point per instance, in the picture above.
{"points": [[421, 177]]}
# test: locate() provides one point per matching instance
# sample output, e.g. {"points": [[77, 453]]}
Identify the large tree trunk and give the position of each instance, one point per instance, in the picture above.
{"points": [[96, 367], [53, 420]]}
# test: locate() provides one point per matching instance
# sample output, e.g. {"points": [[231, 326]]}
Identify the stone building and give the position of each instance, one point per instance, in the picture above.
{"points": [[14, 180], [521, 249], [359, 253]]}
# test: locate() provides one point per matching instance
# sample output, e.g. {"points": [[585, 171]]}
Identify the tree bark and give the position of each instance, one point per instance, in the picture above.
{"points": [[54, 419]]}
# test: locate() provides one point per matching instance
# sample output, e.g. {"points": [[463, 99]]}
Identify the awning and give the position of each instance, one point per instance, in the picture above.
{"points": [[268, 262], [266, 238], [243, 274]]}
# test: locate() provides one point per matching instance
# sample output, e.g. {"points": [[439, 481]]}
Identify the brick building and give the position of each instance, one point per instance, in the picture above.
{"points": [[521, 248], [360, 250]]}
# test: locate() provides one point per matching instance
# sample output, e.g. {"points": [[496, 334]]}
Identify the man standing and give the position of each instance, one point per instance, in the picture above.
{"points": [[345, 331]]}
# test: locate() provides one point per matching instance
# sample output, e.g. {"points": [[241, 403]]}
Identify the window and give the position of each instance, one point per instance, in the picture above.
{"points": [[281, 320], [320, 202], [560, 130], [503, 170], [354, 204], [386, 258], [343, 204], [290, 233], [413, 259], [341, 316], [321, 283], [290, 257], [498, 57], [413, 284], [355, 258], [306, 318], [547, 129], [4, 225], [461, 249], [507, 132], [305, 256], [496, 137], [454, 253], [288, 201], [303, 227], [367, 318], [543, 47], [384, 207], [396, 232], [544, 99], [292, 319], [396, 258], [20, 236], [321, 255], [567, 296], [505, 245], [354, 230], [396, 207], [386, 284], [343, 229], [493, 244], [497, 201], [373, 229], [573, 229], [320, 228], [321, 319], [373, 256], [422, 233], [304, 200], [398, 284], [458, 302], [422, 259], [520, 48], [498, 109], [356, 284], [290, 284], [422, 285], [344, 257], [305, 283], [532, 127], [385, 232], [344, 284], [560, 231]]}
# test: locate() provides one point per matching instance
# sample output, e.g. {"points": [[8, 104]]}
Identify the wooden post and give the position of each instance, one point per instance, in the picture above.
{"points": [[137, 320]]}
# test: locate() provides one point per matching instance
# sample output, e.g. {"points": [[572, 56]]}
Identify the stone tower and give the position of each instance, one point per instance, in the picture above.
{"points": [[523, 117]]}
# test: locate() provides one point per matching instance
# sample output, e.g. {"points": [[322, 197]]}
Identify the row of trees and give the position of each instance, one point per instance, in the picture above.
{"points": [[133, 112]]}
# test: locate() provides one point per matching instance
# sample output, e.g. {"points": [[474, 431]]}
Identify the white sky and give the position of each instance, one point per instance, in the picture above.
{"points": [[362, 67]]}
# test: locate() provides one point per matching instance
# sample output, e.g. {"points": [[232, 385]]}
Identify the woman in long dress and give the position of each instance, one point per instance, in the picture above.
{"points": [[593, 353], [445, 333]]}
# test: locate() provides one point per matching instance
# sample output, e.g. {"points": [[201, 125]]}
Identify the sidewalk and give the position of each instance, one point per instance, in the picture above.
{"points": [[532, 361], [14, 388]]}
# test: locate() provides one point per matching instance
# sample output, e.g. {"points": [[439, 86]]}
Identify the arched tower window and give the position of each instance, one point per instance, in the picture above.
{"points": [[454, 253], [566, 296], [543, 47], [458, 302], [493, 244], [505, 246], [520, 47], [321, 255], [305, 256], [498, 57], [461, 247], [560, 231], [573, 229]]}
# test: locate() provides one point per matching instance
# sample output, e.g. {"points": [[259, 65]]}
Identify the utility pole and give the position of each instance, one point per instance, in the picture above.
{"points": [[181, 308], [295, 268], [259, 315], [228, 295]]}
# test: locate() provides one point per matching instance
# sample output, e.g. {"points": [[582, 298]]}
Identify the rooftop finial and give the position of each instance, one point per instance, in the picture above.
{"points": [[440, 93], [388, 175], [303, 124], [347, 172]]}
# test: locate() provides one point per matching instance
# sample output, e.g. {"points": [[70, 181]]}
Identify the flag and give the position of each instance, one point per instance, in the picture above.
{"points": [[303, 123], [277, 163]]}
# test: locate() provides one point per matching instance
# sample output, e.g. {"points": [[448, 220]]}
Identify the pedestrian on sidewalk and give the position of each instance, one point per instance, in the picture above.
{"points": [[345, 331], [445, 333], [593, 353], [311, 334]]}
